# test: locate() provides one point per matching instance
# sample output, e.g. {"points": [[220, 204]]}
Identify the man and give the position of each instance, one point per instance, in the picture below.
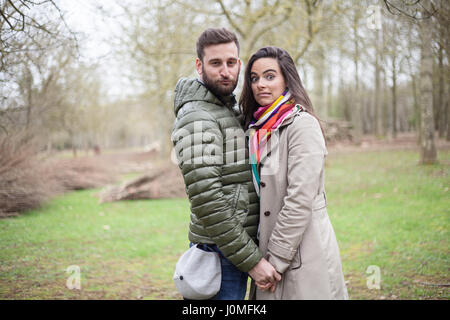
{"points": [[210, 146]]}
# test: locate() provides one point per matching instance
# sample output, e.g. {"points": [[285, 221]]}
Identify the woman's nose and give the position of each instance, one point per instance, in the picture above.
{"points": [[261, 84]]}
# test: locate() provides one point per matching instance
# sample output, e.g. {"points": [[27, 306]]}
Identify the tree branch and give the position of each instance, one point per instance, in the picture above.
{"points": [[6, 18], [230, 19], [310, 29], [268, 27], [394, 8], [191, 8]]}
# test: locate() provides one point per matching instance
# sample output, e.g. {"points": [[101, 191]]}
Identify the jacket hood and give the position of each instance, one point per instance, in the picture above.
{"points": [[188, 90]]}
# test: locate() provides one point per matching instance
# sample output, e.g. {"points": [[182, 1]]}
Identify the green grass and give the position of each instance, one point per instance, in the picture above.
{"points": [[390, 212], [386, 210], [125, 250]]}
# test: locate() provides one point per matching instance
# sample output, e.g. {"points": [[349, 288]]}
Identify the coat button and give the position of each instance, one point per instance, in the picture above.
{"points": [[262, 184], [267, 213]]}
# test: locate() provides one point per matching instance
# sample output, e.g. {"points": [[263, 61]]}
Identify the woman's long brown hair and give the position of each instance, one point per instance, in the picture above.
{"points": [[291, 78]]}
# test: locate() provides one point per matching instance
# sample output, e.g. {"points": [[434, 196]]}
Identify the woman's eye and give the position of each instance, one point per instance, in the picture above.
{"points": [[270, 77], [253, 80]]}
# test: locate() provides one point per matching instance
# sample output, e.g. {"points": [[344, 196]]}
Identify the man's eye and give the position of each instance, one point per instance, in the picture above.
{"points": [[231, 63]]}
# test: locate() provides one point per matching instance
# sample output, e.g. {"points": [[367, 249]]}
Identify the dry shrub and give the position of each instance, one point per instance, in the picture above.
{"points": [[28, 179], [23, 184]]}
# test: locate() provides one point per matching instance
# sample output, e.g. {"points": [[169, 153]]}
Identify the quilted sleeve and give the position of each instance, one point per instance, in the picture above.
{"points": [[198, 142]]}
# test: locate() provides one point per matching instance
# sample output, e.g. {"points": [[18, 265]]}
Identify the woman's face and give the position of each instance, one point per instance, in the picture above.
{"points": [[266, 80]]}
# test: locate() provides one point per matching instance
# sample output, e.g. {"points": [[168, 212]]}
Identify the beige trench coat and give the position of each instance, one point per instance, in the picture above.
{"points": [[295, 233]]}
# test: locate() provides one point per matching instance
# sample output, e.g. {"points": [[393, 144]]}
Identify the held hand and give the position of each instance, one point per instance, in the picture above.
{"points": [[264, 273], [268, 286]]}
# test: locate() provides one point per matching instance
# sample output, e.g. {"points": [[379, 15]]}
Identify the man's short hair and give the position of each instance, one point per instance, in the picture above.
{"points": [[213, 36]]}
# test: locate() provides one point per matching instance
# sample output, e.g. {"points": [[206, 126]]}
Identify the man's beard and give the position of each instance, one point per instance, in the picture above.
{"points": [[216, 88]]}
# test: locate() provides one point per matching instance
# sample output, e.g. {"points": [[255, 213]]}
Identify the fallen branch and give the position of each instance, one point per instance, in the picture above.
{"points": [[164, 182], [433, 284]]}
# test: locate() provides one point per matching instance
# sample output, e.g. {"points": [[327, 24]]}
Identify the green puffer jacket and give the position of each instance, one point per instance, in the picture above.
{"points": [[212, 155]]}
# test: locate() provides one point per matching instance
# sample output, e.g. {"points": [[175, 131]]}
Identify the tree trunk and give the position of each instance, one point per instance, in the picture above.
{"points": [[356, 115], [378, 104], [447, 101], [394, 99], [428, 153], [319, 103], [385, 121], [417, 123], [330, 101], [442, 119], [29, 93]]}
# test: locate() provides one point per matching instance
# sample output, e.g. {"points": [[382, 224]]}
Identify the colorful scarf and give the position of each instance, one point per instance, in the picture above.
{"points": [[266, 120]]}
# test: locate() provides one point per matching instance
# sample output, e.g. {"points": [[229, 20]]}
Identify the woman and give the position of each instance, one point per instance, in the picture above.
{"points": [[287, 152]]}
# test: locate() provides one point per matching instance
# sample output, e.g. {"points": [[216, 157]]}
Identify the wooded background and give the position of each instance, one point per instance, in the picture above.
{"points": [[85, 76], [382, 66]]}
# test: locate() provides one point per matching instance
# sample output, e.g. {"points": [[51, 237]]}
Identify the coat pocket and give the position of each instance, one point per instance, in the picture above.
{"points": [[320, 202], [319, 206], [297, 260]]}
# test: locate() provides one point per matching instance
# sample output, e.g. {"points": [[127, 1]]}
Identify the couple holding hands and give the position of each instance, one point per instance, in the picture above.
{"points": [[263, 212]]}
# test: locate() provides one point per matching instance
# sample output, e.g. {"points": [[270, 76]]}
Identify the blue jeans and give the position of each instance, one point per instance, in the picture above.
{"points": [[234, 281]]}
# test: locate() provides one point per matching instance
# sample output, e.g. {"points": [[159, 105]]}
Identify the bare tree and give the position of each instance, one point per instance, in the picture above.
{"points": [[157, 54], [442, 43], [251, 20], [428, 148], [422, 12], [415, 9], [23, 23], [27, 39]]}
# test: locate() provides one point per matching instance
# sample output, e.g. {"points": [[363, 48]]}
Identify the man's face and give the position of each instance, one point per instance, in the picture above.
{"points": [[220, 68]]}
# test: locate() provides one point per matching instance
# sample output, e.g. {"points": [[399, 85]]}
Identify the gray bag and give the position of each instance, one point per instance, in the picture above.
{"points": [[198, 274]]}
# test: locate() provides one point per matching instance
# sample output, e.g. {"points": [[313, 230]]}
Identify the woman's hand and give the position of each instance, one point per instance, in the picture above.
{"points": [[263, 286], [267, 282], [264, 273]]}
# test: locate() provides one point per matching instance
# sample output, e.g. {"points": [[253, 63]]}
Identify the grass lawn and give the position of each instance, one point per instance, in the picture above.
{"points": [[386, 210], [390, 212]]}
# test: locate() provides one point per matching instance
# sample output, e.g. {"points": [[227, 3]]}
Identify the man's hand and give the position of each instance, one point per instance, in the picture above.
{"points": [[265, 275], [266, 286]]}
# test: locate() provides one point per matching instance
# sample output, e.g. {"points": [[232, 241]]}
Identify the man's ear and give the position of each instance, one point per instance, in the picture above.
{"points": [[198, 66]]}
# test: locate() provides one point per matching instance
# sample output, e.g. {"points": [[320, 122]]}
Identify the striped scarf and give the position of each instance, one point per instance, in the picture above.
{"points": [[266, 120]]}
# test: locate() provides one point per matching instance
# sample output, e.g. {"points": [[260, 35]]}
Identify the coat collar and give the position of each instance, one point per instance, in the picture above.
{"points": [[291, 117]]}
